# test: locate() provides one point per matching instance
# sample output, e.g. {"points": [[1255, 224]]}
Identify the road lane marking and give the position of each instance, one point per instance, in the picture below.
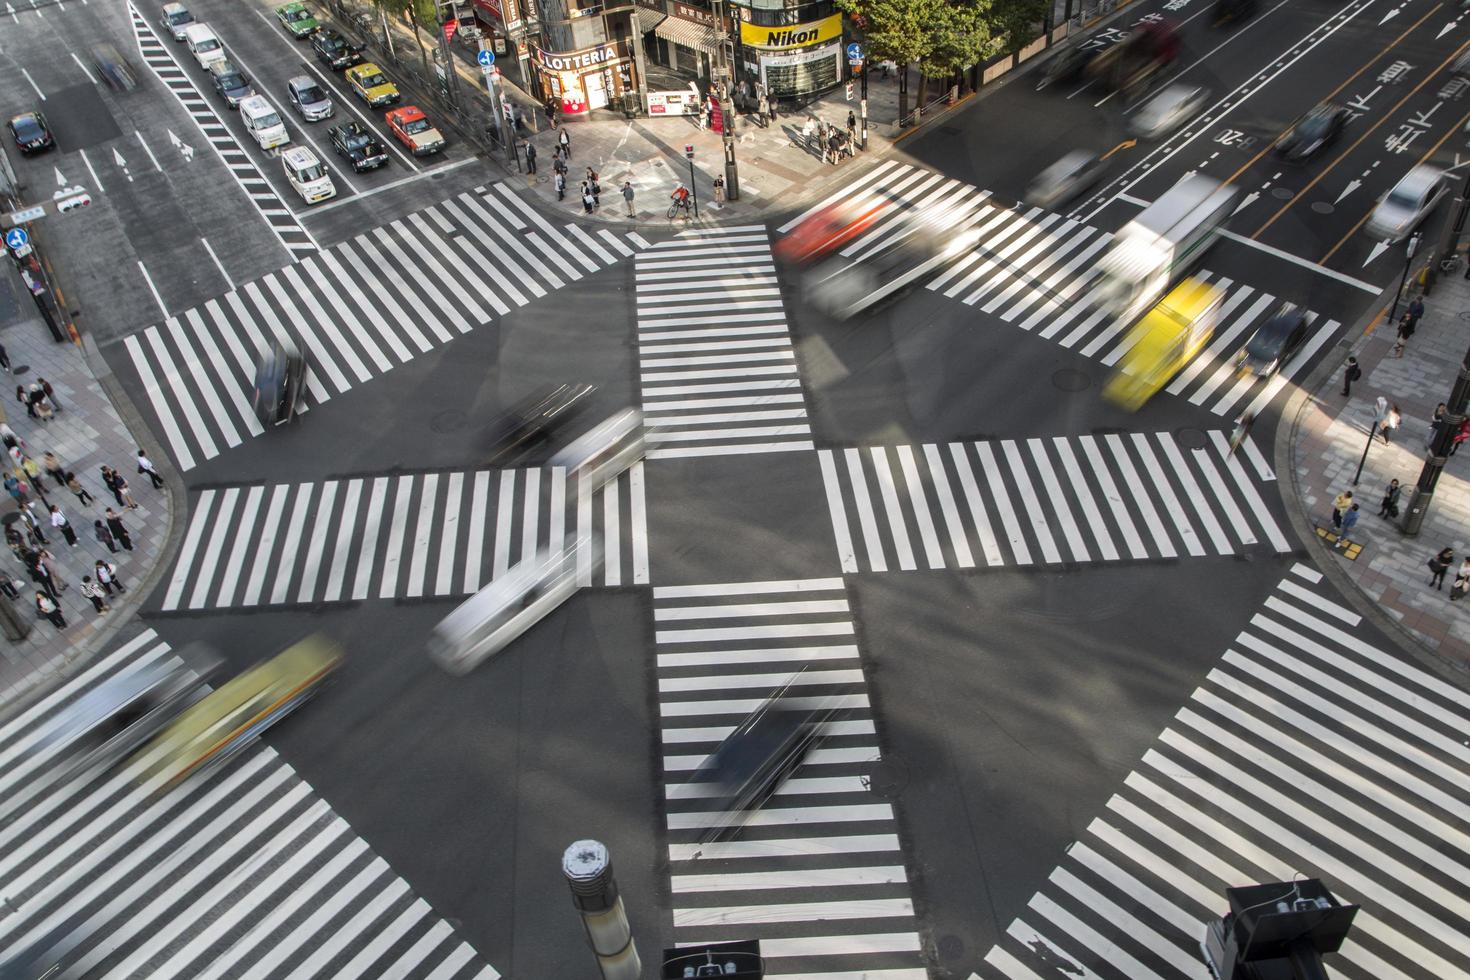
{"points": [[148, 150], [217, 263], [152, 288]]}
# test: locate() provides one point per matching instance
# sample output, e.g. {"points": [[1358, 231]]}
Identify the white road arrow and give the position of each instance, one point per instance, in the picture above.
{"points": [[60, 180], [117, 158], [180, 145], [1446, 29], [1246, 202], [11, 11], [1378, 250], [1389, 16], [1352, 185]]}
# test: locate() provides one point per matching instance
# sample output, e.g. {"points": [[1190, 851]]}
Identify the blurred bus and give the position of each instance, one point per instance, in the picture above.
{"points": [[1164, 341]]}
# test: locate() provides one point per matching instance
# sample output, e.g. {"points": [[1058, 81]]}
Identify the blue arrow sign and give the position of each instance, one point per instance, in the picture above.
{"points": [[486, 58], [17, 238], [854, 52]]}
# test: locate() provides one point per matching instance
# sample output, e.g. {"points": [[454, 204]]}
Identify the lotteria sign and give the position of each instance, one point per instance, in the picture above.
{"points": [[576, 61], [791, 35]]}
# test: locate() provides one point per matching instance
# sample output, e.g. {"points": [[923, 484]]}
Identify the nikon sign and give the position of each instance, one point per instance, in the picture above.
{"points": [[791, 35]]}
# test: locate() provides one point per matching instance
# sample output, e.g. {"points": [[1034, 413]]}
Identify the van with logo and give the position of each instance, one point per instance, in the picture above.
{"points": [[263, 122], [204, 44], [307, 174]]}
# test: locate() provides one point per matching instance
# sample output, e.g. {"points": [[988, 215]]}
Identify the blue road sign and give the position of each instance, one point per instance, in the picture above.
{"points": [[854, 52], [17, 238], [486, 58]]}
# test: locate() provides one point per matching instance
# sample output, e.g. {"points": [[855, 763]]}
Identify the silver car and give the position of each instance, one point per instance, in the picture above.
{"points": [[1168, 110], [1401, 209], [176, 18], [1073, 174], [308, 98]]}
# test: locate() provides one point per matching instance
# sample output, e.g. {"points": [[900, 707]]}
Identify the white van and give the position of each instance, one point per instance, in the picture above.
{"points": [[263, 122], [310, 177], [204, 45]]}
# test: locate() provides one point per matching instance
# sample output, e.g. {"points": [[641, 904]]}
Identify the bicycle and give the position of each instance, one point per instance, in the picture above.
{"points": [[1241, 430], [1450, 264], [681, 205]]}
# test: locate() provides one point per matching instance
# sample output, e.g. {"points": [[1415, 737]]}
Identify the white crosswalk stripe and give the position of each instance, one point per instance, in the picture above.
{"points": [[1032, 269], [1305, 751], [356, 311], [817, 873], [232, 874], [717, 367], [395, 536], [1141, 497]]}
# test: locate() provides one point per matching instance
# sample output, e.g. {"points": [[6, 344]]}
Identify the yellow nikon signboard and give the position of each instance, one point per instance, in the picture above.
{"points": [[791, 35]]}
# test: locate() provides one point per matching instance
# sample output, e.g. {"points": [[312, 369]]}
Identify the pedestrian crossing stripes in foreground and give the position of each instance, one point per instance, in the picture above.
{"points": [[244, 872], [1033, 269], [357, 310], [386, 537], [1307, 751], [1046, 501], [715, 359], [817, 873], [158, 55]]}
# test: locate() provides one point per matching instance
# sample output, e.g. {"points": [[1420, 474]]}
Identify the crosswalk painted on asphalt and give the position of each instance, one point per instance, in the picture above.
{"points": [[715, 358], [408, 536], [1134, 496], [244, 872], [1033, 269], [817, 873], [158, 55], [357, 310], [1307, 751]]}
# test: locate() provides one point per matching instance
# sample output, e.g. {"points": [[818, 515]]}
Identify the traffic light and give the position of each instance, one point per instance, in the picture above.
{"points": [[848, 91]]}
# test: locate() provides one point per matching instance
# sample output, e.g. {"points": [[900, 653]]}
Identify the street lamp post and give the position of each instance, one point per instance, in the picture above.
{"points": [[727, 102], [1439, 450], [1409, 251]]}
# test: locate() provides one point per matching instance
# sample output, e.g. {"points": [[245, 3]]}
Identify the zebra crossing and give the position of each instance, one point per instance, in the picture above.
{"points": [[244, 872], [716, 363], [408, 536], [1305, 751], [816, 874], [158, 55], [357, 310], [1033, 269], [1139, 497]]}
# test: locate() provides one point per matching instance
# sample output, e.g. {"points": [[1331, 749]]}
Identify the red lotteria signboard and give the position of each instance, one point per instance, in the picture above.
{"points": [[572, 103]]}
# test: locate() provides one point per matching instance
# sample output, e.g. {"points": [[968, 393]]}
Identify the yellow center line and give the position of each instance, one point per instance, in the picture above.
{"points": [[1329, 96], [1428, 77], [1427, 154]]}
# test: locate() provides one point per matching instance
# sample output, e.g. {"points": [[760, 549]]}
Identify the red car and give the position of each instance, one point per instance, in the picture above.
{"points": [[413, 129], [831, 228]]}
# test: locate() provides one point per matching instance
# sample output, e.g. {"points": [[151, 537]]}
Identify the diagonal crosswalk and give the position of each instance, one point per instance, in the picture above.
{"points": [[1305, 751], [386, 537], [715, 358], [357, 310], [1033, 269], [244, 872], [817, 874], [1134, 496]]}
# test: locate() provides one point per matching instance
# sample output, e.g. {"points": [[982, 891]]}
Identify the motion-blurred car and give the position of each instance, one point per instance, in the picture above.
{"points": [[1166, 339], [230, 82], [175, 19], [1171, 108], [1400, 210], [219, 726], [1274, 342], [1229, 11], [356, 142], [605, 451], [1129, 65], [307, 98], [1071, 176], [279, 378], [115, 70], [1312, 133], [52, 954], [412, 128], [754, 759], [307, 174], [30, 132], [1069, 64], [372, 86], [334, 50], [832, 227], [298, 19], [535, 421]]}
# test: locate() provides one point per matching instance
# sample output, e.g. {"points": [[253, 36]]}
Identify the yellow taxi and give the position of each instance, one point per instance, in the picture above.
{"points": [[372, 86], [1167, 337]]}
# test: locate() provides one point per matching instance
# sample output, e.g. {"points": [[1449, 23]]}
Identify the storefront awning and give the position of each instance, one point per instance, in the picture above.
{"points": [[688, 34]]}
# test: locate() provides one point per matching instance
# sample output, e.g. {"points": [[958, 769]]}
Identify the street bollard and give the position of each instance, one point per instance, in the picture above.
{"points": [[588, 869]]}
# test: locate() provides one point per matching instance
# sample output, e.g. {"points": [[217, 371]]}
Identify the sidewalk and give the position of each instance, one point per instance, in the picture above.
{"points": [[1391, 570], [86, 434]]}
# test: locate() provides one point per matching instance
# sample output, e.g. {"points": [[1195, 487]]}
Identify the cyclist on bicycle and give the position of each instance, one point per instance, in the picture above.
{"points": [[680, 196]]}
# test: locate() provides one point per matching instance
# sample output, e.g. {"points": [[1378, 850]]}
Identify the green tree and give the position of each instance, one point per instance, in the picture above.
{"points": [[1016, 23], [963, 35], [901, 31]]}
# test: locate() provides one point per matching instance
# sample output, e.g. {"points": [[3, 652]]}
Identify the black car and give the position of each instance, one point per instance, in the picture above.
{"points": [[230, 82], [1233, 10], [116, 70], [1312, 132], [278, 381], [1274, 342], [334, 50], [30, 132], [534, 420], [362, 149]]}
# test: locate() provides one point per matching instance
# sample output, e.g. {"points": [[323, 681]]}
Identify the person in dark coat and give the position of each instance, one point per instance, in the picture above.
{"points": [[48, 608], [119, 531], [105, 536]]}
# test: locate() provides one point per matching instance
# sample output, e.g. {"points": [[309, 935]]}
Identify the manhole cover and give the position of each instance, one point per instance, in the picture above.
{"points": [[1322, 207], [889, 777], [20, 369], [1192, 438], [1070, 379], [450, 421], [1282, 194]]}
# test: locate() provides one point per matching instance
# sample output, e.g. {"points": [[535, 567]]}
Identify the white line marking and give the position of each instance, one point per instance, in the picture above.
{"points": [[217, 264], [152, 289], [33, 84], [148, 150]]}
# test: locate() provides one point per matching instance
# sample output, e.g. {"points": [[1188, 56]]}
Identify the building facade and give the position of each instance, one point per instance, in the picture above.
{"points": [[793, 49]]}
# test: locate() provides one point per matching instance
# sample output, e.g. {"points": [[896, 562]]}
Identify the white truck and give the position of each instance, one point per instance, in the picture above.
{"points": [[1158, 247]]}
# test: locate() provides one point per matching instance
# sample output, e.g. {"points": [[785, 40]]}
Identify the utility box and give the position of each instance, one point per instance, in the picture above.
{"points": [[1277, 931]]}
